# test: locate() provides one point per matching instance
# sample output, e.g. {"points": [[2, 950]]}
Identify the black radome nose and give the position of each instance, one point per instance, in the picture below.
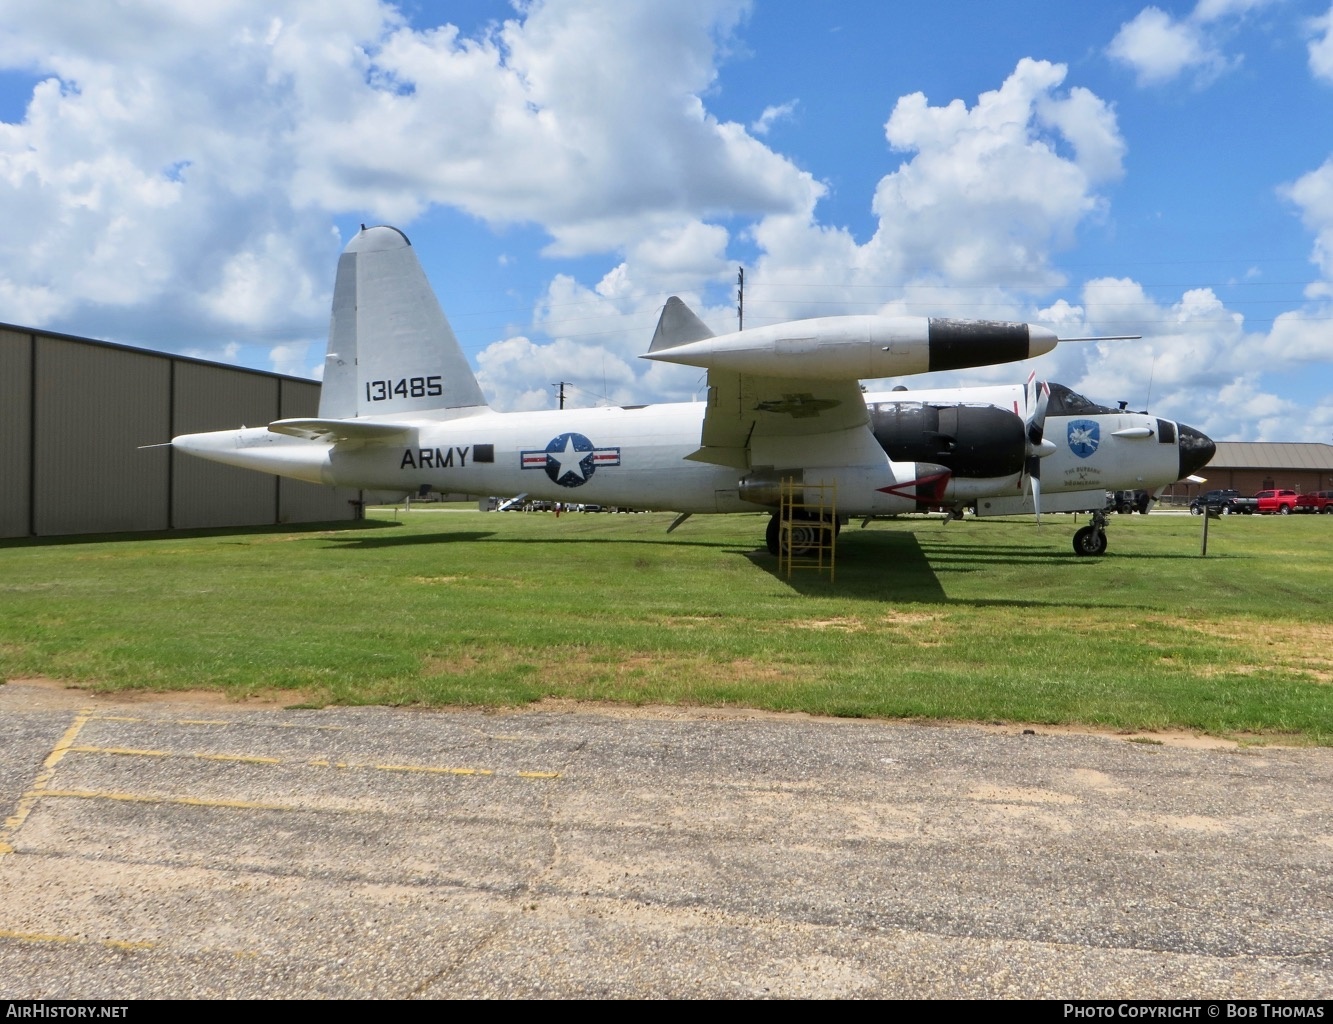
{"points": [[1196, 450]]}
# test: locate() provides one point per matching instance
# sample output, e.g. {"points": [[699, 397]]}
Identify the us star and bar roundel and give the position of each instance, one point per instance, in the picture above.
{"points": [[570, 459]]}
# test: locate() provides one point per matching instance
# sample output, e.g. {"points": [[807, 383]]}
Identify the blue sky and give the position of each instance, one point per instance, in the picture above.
{"points": [[183, 177]]}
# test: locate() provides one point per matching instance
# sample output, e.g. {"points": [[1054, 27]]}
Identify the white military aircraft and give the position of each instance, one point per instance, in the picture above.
{"points": [[400, 410]]}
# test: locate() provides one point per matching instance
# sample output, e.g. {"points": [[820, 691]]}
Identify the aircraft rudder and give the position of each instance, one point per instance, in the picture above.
{"points": [[391, 351]]}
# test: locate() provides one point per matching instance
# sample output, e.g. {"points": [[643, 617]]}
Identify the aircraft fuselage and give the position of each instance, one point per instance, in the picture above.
{"points": [[639, 457]]}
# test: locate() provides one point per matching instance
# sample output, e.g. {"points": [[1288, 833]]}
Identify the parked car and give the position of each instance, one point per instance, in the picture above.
{"points": [[1315, 501], [1280, 501], [1128, 501], [1223, 502]]}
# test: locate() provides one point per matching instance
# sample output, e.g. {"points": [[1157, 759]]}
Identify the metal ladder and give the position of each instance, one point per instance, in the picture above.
{"points": [[808, 516]]}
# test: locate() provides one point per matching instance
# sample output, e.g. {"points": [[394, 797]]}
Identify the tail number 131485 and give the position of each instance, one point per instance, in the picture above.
{"points": [[404, 387]]}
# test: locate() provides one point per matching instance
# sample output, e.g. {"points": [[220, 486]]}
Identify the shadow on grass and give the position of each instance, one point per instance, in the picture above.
{"points": [[444, 538], [1015, 554], [404, 540], [877, 567], [339, 526], [896, 568]]}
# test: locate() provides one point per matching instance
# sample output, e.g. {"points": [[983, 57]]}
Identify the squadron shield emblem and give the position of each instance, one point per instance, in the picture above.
{"points": [[570, 459], [1084, 437]]}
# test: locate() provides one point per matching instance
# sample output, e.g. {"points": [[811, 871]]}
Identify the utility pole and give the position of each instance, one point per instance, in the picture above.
{"points": [[562, 385], [740, 298]]}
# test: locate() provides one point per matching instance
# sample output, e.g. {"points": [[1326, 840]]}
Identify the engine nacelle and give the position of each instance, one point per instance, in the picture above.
{"points": [[973, 441], [889, 489]]}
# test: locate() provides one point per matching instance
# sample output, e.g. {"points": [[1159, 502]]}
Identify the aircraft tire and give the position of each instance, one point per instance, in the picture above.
{"points": [[1090, 542], [807, 539]]}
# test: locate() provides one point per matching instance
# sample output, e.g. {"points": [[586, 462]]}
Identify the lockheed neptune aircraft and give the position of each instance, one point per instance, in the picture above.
{"points": [[400, 410]]}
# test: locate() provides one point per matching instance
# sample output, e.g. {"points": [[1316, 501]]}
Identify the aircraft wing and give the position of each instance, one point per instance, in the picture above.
{"points": [[746, 412], [335, 431], [790, 392]]}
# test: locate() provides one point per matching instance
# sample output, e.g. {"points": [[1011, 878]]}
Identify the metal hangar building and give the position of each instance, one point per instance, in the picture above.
{"points": [[74, 413]]}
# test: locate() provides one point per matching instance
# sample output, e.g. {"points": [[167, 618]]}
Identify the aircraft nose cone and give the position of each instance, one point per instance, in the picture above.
{"points": [[1196, 450]]}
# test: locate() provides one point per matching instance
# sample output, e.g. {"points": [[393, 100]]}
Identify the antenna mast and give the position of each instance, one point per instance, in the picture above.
{"points": [[740, 298]]}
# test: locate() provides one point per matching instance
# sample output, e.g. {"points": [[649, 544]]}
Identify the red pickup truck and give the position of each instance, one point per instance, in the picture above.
{"points": [[1315, 501], [1281, 502]]}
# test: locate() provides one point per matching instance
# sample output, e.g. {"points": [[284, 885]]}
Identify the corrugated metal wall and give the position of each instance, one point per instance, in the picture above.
{"points": [[15, 433], [74, 413], [205, 493], [93, 407]]}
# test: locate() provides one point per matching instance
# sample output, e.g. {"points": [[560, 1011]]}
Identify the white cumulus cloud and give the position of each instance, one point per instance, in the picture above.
{"points": [[771, 116], [1160, 48], [189, 158], [1321, 46]]}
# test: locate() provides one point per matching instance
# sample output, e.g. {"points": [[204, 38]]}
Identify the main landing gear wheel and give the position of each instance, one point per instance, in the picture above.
{"points": [[1090, 541], [806, 535]]}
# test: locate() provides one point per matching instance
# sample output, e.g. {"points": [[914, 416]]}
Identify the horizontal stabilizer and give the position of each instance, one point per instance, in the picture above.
{"points": [[340, 430]]}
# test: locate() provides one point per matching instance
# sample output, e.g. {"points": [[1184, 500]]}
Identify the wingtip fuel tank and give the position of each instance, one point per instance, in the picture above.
{"points": [[863, 347]]}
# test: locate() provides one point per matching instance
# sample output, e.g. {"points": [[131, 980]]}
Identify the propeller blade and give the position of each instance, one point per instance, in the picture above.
{"points": [[1037, 395], [1038, 399]]}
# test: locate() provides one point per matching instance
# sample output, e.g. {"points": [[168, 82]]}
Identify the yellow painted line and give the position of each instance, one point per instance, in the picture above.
{"points": [[121, 751], [123, 944], [177, 721], [36, 937], [315, 762], [73, 939], [67, 746], [132, 752], [189, 801], [428, 770], [29, 799]]}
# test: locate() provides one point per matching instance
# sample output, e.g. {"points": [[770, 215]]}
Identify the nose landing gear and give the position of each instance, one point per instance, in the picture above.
{"points": [[1091, 540]]}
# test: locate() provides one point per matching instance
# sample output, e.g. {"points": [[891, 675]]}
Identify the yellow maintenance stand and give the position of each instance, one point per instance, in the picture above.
{"points": [[807, 526]]}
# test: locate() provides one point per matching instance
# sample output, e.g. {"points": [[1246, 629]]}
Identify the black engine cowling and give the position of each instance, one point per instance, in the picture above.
{"points": [[971, 440]]}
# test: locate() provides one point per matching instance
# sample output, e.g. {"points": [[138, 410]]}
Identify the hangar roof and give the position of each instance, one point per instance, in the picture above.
{"points": [[1273, 455], [42, 332]]}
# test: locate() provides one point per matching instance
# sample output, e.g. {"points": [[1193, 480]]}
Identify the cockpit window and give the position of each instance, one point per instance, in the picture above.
{"points": [[1065, 402]]}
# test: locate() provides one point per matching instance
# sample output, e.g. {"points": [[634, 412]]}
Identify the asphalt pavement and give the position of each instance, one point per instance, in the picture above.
{"points": [[195, 848]]}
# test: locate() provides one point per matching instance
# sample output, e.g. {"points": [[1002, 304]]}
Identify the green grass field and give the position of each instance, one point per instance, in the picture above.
{"points": [[992, 620]]}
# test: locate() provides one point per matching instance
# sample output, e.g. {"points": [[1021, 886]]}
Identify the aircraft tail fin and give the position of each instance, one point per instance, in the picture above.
{"points": [[391, 350], [677, 326]]}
